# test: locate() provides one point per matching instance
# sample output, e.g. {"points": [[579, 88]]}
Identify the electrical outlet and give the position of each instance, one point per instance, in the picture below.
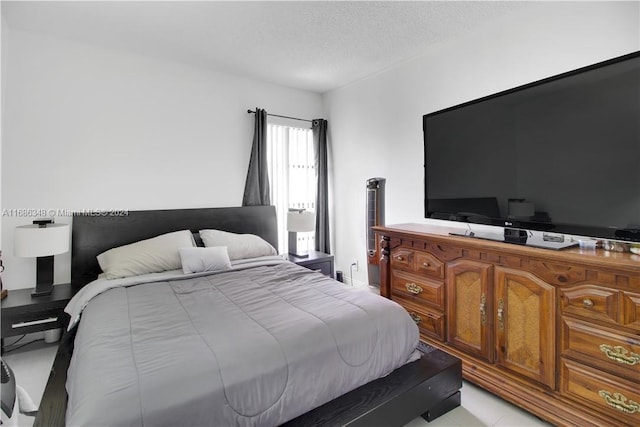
{"points": [[354, 263]]}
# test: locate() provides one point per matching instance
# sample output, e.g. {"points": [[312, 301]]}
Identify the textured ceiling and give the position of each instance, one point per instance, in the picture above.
{"points": [[316, 46]]}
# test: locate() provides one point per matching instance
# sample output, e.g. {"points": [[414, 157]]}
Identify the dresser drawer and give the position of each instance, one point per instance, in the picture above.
{"points": [[26, 323], [631, 310], [417, 288], [425, 263], [607, 349], [617, 397], [402, 259], [430, 322], [592, 302]]}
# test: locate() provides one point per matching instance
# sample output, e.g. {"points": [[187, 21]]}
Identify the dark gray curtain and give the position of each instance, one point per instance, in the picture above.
{"points": [[256, 189], [319, 128]]}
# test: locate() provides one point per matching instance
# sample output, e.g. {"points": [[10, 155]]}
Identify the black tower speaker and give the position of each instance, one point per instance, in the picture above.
{"points": [[375, 216]]}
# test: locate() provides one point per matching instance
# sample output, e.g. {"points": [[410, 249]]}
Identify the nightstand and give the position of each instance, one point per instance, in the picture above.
{"points": [[318, 261], [22, 314]]}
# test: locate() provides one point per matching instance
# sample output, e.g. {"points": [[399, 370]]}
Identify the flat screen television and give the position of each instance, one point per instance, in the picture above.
{"points": [[560, 155]]}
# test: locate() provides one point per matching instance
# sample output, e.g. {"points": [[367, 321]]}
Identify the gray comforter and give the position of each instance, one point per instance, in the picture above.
{"points": [[257, 346]]}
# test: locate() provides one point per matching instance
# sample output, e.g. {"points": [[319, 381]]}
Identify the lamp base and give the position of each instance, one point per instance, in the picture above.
{"points": [[293, 246], [299, 254], [42, 290], [44, 276]]}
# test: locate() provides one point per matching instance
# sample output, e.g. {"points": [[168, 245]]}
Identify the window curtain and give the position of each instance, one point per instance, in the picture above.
{"points": [[256, 189], [292, 177], [319, 129]]}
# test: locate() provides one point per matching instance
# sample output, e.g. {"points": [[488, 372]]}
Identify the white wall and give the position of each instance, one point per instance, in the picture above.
{"points": [[93, 128], [375, 125], [4, 49]]}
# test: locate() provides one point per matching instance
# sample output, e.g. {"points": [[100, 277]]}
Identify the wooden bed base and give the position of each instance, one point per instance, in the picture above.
{"points": [[428, 387], [53, 406]]}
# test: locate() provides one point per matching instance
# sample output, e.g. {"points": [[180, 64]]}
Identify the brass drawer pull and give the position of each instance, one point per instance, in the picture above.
{"points": [[620, 354], [426, 265], [501, 314], [399, 258], [413, 288], [587, 302], [415, 317], [483, 309], [619, 402]]}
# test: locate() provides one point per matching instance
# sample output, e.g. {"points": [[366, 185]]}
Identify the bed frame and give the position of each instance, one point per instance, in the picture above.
{"points": [[427, 387]]}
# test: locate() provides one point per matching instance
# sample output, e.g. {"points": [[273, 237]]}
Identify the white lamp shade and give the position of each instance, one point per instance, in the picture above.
{"points": [[301, 222], [32, 241]]}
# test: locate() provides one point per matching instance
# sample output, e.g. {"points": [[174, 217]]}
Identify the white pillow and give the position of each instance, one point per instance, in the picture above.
{"points": [[195, 260], [239, 246], [146, 256]]}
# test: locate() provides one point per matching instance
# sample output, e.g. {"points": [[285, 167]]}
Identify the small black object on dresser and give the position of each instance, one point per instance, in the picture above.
{"points": [[317, 261], [24, 314]]}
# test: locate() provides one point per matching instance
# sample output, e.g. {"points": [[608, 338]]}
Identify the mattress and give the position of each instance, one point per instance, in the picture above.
{"points": [[255, 346]]}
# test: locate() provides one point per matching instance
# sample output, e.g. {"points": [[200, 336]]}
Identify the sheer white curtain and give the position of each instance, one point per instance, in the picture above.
{"points": [[292, 178]]}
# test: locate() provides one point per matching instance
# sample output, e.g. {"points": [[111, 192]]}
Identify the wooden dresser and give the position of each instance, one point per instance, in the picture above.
{"points": [[555, 332]]}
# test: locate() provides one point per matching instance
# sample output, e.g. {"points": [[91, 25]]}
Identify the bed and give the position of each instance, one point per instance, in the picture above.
{"points": [[260, 342]]}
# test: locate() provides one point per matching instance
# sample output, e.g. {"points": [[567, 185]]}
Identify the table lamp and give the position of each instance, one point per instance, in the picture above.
{"points": [[41, 240], [299, 221]]}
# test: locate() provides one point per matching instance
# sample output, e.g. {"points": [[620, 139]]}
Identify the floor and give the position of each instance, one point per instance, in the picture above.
{"points": [[31, 367], [481, 408]]}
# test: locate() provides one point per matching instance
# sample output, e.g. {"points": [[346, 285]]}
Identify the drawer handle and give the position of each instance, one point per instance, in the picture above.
{"points": [[620, 354], [619, 402], [501, 314], [34, 322], [483, 309], [399, 258], [426, 265], [415, 317], [588, 302], [413, 288]]}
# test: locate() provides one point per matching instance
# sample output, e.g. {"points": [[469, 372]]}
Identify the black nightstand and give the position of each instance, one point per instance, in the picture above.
{"points": [[318, 261], [22, 314]]}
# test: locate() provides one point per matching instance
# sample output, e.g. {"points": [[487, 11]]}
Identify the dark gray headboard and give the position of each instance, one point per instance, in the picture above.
{"points": [[92, 235]]}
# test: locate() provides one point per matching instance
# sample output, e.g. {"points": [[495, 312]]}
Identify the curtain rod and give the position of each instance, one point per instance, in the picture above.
{"points": [[284, 117]]}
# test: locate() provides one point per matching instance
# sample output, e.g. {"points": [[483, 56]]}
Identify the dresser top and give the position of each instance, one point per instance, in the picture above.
{"points": [[442, 234]]}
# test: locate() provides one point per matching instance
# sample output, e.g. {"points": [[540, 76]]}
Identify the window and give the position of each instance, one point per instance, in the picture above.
{"points": [[292, 178]]}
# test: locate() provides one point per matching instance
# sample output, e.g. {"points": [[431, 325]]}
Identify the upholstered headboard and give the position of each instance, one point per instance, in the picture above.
{"points": [[92, 235]]}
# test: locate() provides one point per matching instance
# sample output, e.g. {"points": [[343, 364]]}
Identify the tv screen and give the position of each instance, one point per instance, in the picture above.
{"points": [[560, 155]]}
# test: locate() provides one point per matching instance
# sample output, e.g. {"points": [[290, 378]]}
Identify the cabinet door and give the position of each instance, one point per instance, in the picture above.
{"points": [[469, 307], [525, 324]]}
